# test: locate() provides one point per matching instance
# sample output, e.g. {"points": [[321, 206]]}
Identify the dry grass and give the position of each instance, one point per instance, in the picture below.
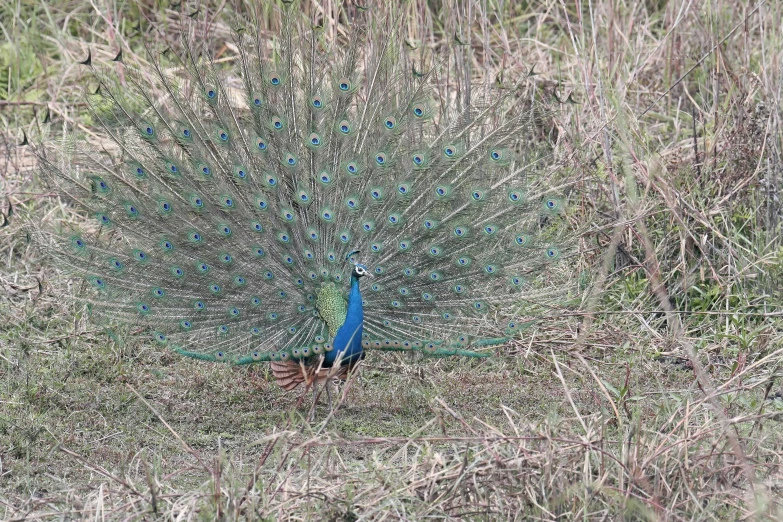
{"points": [[660, 399]]}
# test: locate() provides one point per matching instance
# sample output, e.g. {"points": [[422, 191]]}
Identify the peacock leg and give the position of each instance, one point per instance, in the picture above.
{"points": [[311, 415], [328, 395]]}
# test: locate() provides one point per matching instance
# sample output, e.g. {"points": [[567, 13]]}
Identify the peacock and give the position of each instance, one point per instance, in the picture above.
{"points": [[306, 201]]}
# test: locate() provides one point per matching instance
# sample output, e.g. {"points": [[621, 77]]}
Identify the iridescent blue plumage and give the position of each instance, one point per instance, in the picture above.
{"points": [[348, 341]]}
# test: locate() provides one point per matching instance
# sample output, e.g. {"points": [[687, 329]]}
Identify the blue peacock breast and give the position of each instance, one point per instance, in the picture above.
{"points": [[344, 321]]}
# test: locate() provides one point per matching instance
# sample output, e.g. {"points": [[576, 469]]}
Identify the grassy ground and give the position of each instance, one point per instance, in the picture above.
{"points": [[659, 399]]}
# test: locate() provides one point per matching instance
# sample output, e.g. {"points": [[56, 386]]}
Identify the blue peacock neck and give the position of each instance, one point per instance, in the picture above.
{"points": [[348, 339]]}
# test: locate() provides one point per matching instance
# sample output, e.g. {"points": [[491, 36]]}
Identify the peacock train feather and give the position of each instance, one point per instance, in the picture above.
{"points": [[308, 202]]}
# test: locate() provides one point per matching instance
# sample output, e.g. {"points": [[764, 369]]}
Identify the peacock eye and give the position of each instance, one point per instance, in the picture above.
{"points": [[344, 84]]}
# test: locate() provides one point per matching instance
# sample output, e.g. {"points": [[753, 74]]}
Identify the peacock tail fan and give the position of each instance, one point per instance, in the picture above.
{"points": [[224, 196]]}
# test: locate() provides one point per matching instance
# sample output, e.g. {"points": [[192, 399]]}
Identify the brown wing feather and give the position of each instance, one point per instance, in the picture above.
{"points": [[290, 374]]}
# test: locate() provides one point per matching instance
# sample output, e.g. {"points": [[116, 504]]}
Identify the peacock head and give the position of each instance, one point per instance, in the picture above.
{"points": [[359, 269]]}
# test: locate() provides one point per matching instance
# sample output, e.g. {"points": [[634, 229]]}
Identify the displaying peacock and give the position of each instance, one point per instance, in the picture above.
{"points": [[307, 201]]}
